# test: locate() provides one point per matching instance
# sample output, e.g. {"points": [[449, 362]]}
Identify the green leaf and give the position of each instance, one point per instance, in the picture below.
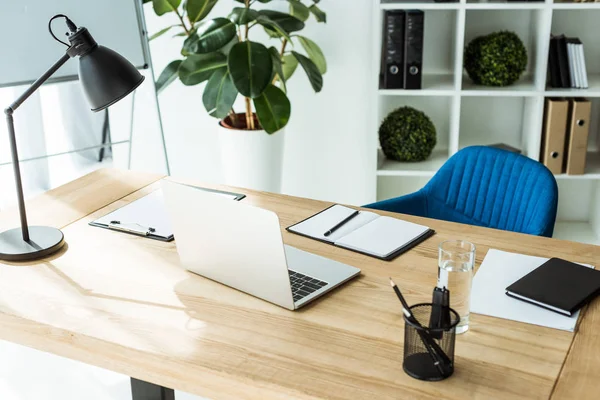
{"points": [[219, 94], [314, 76], [189, 44], [168, 75], [250, 66], [318, 13], [242, 15], [290, 63], [286, 21], [277, 66], [199, 9], [314, 53], [197, 68], [162, 7], [227, 48], [273, 26], [299, 10], [273, 109], [162, 32], [210, 36]]}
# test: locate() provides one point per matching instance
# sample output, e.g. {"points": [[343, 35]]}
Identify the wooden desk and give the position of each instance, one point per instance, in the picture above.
{"points": [[122, 302]]}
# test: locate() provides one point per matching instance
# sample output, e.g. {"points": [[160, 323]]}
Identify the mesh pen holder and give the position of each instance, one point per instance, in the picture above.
{"points": [[429, 357]]}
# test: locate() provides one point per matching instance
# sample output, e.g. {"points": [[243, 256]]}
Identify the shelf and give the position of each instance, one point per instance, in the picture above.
{"points": [[419, 6], [592, 168], [492, 5], [576, 6], [576, 232], [504, 5], [525, 87], [592, 91], [425, 168], [467, 114], [432, 85]]}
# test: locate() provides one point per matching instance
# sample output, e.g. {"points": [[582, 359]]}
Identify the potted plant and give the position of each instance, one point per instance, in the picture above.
{"points": [[221, 53]]}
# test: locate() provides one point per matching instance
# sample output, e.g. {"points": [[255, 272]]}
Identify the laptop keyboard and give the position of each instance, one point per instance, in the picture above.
{"points": [[304, 285]]}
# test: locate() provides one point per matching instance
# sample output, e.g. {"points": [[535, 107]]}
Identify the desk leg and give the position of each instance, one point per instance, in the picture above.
{"points": [[141, 390]]}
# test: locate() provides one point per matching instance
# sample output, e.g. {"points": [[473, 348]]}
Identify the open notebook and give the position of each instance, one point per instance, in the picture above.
{"points": [[367, 233]]}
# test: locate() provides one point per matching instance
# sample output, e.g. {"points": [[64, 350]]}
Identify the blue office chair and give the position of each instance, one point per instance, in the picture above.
{"points": [[489, 187]]}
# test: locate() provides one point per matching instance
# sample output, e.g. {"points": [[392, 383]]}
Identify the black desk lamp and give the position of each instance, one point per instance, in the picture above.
{"points": [[106, 78]]}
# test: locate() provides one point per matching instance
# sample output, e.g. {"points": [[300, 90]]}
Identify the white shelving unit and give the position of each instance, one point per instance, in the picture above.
{"points": [[467, 114]]}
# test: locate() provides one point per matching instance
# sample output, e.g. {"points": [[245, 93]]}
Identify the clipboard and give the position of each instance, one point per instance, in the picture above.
{"points": [[148, 216]]}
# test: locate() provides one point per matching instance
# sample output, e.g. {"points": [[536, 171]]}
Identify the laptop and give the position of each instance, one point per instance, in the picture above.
{"points": [[241, 246]]}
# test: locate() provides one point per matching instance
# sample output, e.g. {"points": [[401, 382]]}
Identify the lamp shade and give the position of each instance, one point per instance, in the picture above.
{"points": [[106, 77]]}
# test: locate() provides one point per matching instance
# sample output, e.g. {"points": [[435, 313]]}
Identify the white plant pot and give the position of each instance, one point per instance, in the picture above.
{"points": [[252, 159]]}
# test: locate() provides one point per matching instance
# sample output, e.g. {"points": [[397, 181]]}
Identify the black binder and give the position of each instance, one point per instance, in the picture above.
{"points": [[393, 50], [413, 51], [553, 65], [563, 61]]}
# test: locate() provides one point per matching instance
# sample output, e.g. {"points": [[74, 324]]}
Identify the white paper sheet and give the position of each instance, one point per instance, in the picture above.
{"points": [[317, 225], [499, 270], [382, 236]]}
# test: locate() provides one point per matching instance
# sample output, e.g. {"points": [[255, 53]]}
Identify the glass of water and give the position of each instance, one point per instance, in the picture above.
{"points": [[455, 272]]}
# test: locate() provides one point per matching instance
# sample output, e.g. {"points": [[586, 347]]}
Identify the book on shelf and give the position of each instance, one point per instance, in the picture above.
{"points": [[402, 49], [566, 63], [506, 147]]}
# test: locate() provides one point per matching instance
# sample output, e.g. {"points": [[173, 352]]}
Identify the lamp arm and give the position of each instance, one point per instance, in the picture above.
{"points": [[13, 143], [39, 82]]}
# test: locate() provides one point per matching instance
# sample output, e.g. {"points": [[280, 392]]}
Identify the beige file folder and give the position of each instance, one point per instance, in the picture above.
{"points": [[553, 135], [577, 136]]}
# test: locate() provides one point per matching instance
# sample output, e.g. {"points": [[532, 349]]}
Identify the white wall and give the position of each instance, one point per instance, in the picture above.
{"points": [[326, 154]]}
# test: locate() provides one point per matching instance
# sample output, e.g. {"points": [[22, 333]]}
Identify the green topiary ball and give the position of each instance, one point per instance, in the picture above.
{"points": [[407, 134], [497, 59]]}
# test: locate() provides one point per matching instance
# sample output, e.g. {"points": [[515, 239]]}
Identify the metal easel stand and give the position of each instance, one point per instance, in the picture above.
{"points": [[106, 138], [131, 126]]}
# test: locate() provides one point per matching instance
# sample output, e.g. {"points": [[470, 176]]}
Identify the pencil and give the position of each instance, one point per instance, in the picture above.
{"points": [[435, 351]]}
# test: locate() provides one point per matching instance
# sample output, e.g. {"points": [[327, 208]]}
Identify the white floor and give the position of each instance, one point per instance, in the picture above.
{"points": [[27, 374]]}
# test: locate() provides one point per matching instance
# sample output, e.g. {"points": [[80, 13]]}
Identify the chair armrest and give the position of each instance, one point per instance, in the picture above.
{"points": [[412, 204]]}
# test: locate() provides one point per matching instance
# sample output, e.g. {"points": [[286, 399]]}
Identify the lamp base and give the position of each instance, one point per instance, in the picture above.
{"points": [[43, 241]]}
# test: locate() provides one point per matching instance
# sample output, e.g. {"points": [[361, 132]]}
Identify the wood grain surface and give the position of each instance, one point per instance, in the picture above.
{"points": [[122, 302]]}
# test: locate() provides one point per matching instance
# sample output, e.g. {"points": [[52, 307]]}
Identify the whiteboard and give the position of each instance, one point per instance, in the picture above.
{"points": [[27, 50]]}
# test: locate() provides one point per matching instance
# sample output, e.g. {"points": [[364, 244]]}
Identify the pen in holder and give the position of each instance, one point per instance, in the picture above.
{"points": [[428, 352], [440, 313]]}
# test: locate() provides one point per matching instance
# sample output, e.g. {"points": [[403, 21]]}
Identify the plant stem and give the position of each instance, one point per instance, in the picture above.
{"points": [[284, 43], [234, 118], [187, 31], [249, 116]]}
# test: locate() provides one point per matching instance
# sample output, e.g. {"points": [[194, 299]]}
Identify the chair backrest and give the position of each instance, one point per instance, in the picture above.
{"points": [[495, 188]]}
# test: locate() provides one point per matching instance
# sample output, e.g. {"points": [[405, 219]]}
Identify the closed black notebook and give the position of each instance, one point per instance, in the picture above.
{"points": [[558, 285]]}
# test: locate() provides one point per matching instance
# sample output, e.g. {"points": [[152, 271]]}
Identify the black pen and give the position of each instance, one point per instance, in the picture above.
{"points": [[338, 226], [435, 351]]}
